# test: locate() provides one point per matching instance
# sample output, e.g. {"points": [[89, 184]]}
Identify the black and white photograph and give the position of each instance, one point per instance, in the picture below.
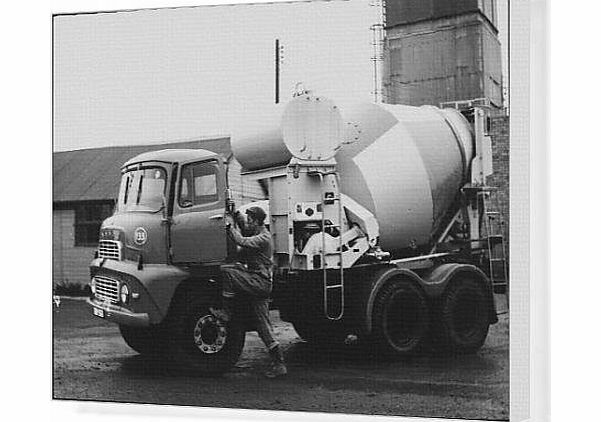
{"points": [[297, 206]]}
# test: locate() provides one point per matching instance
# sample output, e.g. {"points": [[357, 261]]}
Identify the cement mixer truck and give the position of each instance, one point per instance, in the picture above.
{"points": [[382, 226]]}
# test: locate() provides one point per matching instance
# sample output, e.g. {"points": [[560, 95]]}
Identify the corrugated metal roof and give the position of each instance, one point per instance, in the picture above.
{"points": [[94, 174]]}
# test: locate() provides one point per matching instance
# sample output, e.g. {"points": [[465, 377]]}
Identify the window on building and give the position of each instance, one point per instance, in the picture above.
{"points": [[198, 184], [88, 218]]}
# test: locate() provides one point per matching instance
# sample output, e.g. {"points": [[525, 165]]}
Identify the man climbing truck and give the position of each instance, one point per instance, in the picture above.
{"points": [[251, 276], [382, 230]]}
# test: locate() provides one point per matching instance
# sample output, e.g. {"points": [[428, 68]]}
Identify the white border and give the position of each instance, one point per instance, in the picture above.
{"points": [[26, 71], [538, 219], [574, 208], [519, 210]]}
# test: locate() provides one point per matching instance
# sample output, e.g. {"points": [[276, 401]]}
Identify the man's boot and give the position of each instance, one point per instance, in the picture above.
{"points": [[225, 312], [277, 368]]}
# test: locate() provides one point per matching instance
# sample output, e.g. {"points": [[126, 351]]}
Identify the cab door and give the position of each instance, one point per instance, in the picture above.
{"points": [[198, 228]]}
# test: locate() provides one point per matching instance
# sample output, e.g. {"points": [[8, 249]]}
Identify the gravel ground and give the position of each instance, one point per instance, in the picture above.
{"points": [[92, 362]]}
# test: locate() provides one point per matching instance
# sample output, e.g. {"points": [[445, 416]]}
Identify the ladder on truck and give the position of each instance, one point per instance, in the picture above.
{"points": [[333, 290], [495, 243], [486, 213]]}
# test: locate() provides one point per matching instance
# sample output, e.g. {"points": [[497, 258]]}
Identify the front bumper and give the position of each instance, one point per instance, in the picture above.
{"points": [[118, 314], [154, 286]]}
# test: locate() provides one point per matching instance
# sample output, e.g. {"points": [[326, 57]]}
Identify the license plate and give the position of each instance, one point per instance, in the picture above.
{"points": [[99, 312]]}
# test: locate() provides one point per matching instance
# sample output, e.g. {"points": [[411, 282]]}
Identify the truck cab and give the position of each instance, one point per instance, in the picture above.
{"points": [[164, 195], [168, 224], [159, 255]]}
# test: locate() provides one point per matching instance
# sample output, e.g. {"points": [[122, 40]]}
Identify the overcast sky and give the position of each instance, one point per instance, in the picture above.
{"points": [[154, 76]]}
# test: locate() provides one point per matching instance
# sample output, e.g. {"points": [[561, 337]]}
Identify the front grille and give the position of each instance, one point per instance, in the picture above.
{"points": [[110, 249], [107, 289]]}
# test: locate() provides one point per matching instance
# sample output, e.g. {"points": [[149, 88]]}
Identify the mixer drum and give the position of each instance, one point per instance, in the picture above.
{"points": [[406, 165]]}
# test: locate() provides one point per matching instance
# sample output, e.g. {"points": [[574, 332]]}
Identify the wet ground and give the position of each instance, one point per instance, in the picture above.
{"points": [[92, 362]]}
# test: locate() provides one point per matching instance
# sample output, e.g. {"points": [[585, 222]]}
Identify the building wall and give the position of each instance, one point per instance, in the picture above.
{"points": [[500, 178], [243, 189], [69, 263], [448, 59], [492, 65], [399, 12]]}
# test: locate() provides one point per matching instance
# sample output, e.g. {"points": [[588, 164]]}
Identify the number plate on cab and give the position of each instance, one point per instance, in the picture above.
{"points": [[99, 312]]}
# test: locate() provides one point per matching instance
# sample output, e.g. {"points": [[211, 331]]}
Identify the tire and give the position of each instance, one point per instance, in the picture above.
{"points": [[200, 343], [400, 319], [463, 317], [145, 340]]}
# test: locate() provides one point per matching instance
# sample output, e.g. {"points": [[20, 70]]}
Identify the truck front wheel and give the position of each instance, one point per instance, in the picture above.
{"points": [[401, 318], [145, 340], [201, 343]]}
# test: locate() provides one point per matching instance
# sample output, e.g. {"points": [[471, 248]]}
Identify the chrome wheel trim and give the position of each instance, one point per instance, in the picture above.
{"points": [[213, 343]]}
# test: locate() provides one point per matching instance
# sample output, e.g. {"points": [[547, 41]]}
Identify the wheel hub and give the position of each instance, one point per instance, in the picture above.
{"points": [[209, 334]]}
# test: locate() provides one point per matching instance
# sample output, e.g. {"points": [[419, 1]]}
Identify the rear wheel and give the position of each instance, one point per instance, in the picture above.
{"points": [[145, 340], [463, 317], [201, 343], [401, 318]]}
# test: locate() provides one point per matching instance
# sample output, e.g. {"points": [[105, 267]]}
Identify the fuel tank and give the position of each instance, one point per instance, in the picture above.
{"points": [[404, 164]]}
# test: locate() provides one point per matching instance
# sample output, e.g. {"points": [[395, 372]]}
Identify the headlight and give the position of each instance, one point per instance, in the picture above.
{"points": [[93, 286], [124, 293]]}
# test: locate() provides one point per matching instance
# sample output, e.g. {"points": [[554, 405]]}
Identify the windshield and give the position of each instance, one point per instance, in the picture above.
{"points": [[142, 189]]}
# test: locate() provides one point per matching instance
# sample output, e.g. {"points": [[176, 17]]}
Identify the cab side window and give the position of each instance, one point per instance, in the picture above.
{"points": [[198, 184]]}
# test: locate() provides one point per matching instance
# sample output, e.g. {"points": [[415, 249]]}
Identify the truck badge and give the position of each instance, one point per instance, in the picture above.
{"points": [[140, 236]]}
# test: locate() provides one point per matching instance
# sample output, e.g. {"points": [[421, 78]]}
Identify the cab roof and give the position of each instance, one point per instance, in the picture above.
{"points": [[172, 156]]}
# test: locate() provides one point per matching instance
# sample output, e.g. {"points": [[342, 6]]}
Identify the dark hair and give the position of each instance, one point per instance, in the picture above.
{"points": [[256, 213]]}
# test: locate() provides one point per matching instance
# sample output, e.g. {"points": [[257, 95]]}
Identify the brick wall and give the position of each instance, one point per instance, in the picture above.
{"points": [[500, 178]]}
